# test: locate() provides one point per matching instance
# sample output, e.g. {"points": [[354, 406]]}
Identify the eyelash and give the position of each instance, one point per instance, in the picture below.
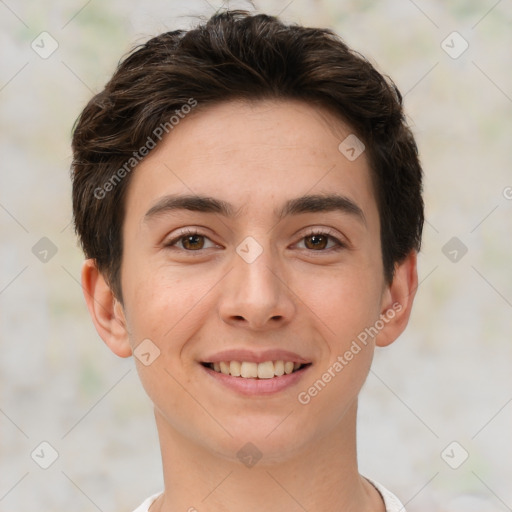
{"points": [[316, 232]]}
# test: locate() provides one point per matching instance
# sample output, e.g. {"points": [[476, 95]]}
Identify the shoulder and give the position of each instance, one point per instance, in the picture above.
{"points": [[392, 503], [144, 507]]}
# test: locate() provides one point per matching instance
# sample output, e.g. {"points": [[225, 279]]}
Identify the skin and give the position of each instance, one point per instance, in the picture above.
{"points": [[296, 296]]}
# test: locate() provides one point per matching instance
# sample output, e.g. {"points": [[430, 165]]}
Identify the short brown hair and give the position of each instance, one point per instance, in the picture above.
{"points": [[238, 55]]}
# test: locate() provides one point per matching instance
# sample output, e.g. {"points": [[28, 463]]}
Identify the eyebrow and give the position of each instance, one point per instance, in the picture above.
{"points": [[303, 204]]}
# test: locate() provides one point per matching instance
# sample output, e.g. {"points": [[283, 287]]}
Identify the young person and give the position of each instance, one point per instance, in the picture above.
{"points": [[248, 197]]}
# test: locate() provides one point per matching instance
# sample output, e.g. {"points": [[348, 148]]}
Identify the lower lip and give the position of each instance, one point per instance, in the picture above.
{"points": [[252, 387]]}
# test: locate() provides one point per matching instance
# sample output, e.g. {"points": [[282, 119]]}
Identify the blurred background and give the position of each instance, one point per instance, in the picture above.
{"points": [[436, 410]]}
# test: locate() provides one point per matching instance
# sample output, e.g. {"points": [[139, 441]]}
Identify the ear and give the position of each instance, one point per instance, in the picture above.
{"points": [[397, 300], [106, 311]]}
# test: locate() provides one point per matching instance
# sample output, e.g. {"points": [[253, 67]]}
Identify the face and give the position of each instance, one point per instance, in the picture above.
{"points": [[255, 272]]}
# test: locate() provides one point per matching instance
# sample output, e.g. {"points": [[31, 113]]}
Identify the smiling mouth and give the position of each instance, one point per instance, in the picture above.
{"points": [[250, 370]]}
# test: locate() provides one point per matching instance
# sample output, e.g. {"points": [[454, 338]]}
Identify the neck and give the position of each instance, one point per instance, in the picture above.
{"points": [[322, 475]]}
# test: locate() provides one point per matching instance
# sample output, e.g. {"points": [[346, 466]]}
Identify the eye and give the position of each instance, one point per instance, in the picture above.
{"points": [[318, 240], [190, 240]]}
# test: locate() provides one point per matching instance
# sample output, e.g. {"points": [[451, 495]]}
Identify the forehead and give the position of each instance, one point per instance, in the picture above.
{"points": [[253, 154]]}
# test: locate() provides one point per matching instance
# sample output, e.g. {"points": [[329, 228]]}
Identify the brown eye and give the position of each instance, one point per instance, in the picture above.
{"points": [[321, 241], [190, 241], [193, 242], [317, 241]]}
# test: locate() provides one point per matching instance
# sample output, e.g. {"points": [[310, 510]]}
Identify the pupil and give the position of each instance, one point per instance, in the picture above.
{"points": [[191, 240], [317, 240]]}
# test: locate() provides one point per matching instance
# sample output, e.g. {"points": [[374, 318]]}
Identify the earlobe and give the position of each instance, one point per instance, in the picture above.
{"points": [[106, 312], [398, 299]]}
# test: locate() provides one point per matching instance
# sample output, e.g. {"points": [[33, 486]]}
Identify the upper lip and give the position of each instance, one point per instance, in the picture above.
{"points": [[255, 357]]}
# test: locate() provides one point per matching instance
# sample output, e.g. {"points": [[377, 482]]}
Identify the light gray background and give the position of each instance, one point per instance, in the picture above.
{"points": [[446, 379]]}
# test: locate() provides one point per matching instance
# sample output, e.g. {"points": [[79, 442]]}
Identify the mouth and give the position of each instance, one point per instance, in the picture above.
{"points": [[256, 371]]}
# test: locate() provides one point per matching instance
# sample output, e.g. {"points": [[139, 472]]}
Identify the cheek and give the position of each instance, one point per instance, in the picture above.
{"points": [[345, 300], [162, 308], [343, 308], [162, 305]]}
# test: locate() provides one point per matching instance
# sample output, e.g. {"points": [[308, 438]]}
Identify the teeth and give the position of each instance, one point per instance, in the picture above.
{"points": [[235, 368], [266, 370], [279, 368], [249, 370]]}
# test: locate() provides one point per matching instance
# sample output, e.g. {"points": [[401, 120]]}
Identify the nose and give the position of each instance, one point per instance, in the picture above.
{"points": [[256, 295]]}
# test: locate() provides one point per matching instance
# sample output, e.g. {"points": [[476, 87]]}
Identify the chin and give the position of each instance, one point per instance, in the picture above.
{"points": [[272, 441]]}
